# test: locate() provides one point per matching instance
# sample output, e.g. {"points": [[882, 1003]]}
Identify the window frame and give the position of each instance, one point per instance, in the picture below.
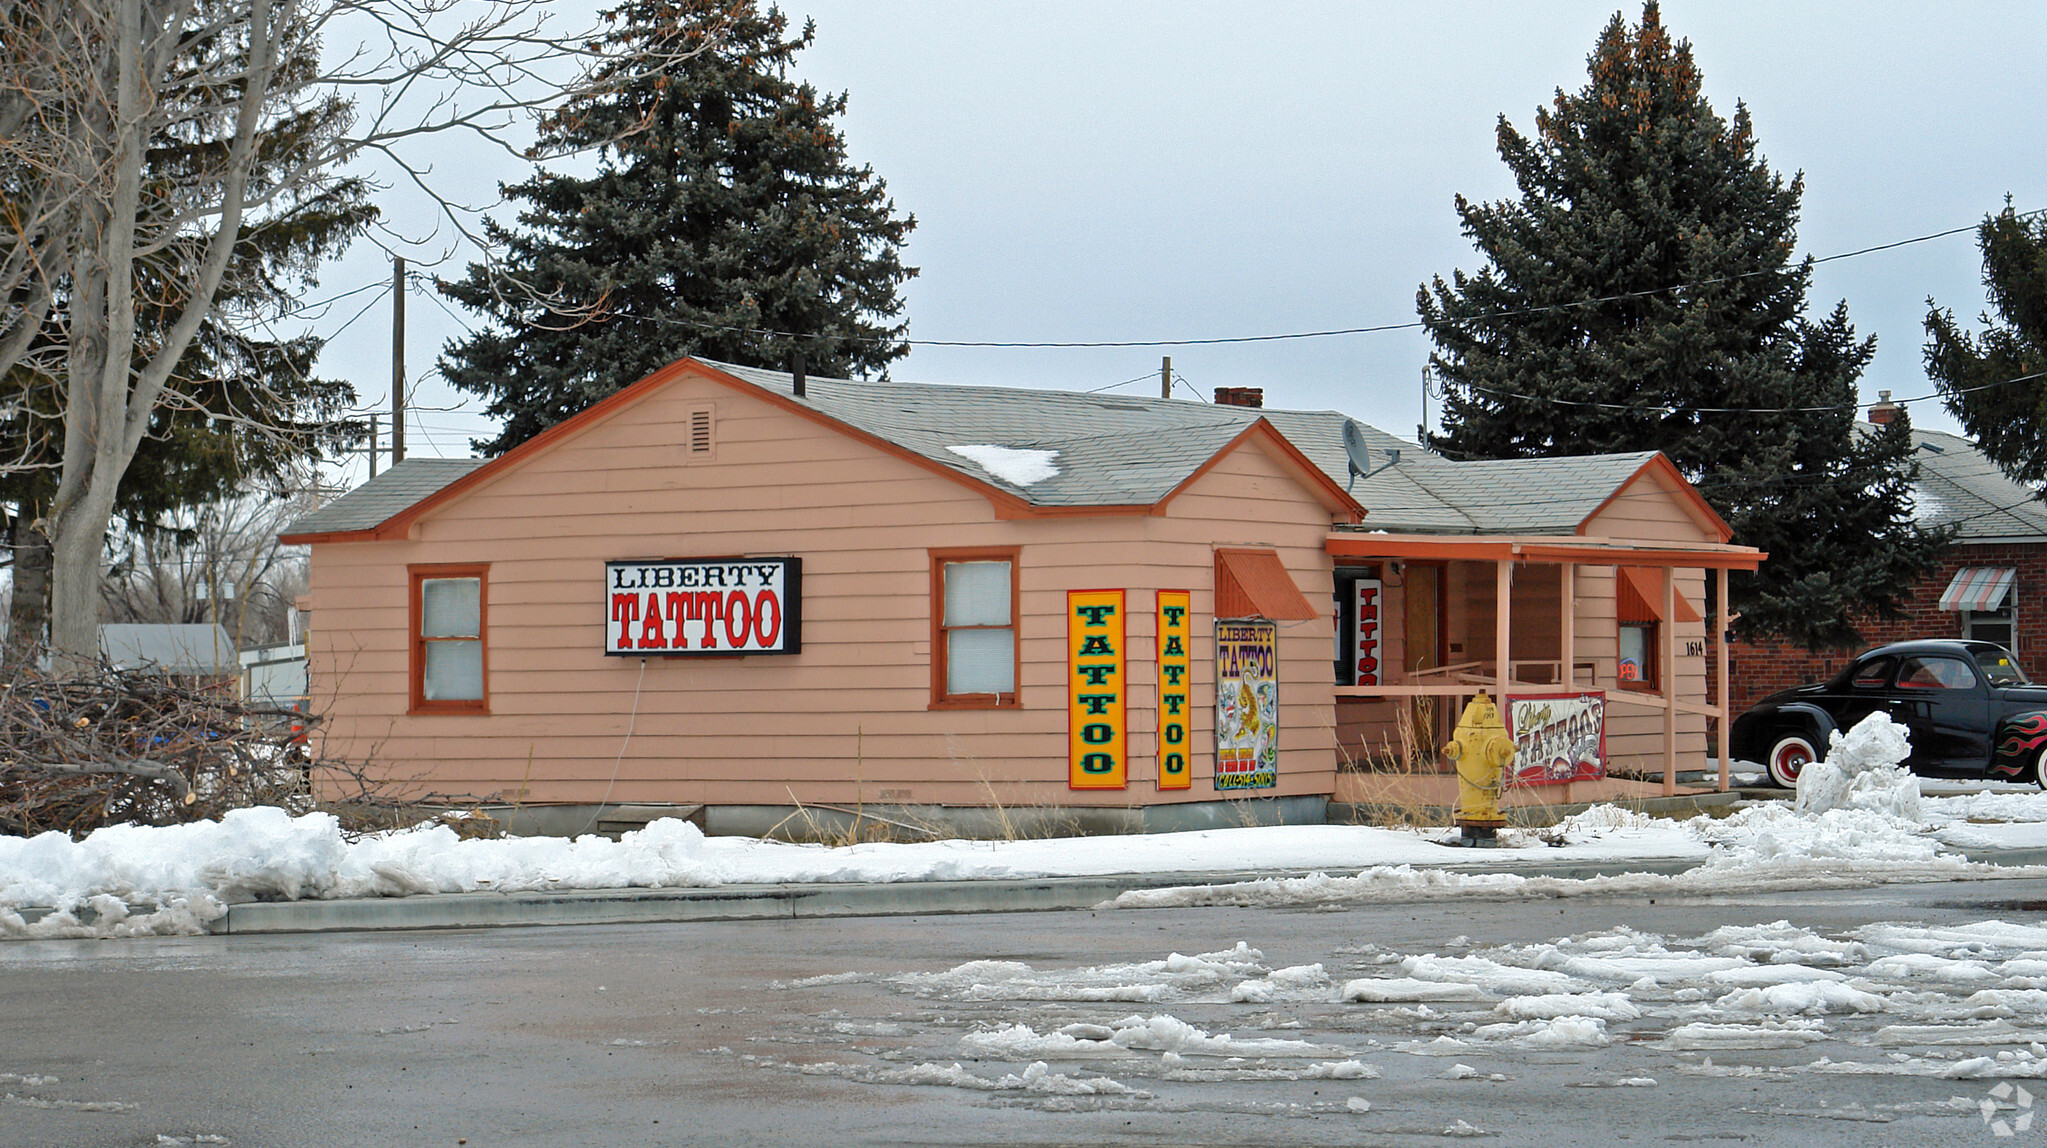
{"points": [[418, 576], [2005, 617], [940, 698]]}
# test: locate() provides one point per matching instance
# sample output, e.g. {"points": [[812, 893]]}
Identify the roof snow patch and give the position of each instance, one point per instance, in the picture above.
{"points": [[1016, 466]]}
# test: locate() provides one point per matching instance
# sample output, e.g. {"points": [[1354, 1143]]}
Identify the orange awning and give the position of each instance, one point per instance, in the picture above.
{"points": [[1640, 597], [1253, 584]]}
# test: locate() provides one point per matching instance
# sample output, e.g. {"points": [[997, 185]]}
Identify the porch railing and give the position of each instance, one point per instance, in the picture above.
{"points": [[1462, 681]]}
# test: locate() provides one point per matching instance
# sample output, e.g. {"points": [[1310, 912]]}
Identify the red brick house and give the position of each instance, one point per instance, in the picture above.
{"points": [[1990, 585]]}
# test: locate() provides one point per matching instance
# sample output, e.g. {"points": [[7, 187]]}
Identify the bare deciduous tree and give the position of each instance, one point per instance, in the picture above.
{"points": [[92, 236], [219, 563]]}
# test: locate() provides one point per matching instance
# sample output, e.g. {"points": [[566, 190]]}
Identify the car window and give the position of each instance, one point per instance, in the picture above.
{"points": [[2000, 669], [1873, 673], [1930, 673]]}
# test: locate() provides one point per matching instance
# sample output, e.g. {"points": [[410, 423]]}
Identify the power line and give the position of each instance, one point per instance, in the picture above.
{"points": [[1666, 409], [1124, 383], [1331, 332]]}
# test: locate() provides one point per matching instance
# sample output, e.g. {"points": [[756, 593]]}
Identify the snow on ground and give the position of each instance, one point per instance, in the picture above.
{"points": [[1861, 821], [1960, 1002]]}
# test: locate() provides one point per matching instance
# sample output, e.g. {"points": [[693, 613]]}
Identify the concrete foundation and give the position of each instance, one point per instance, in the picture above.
{"points": [[841, 823]]}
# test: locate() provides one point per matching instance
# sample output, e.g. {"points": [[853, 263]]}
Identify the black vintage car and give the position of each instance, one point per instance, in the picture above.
{"points": [[1966, 706]]}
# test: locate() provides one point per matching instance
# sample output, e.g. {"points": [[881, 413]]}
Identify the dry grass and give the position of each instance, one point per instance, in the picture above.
{"points": [[1410, 754]]}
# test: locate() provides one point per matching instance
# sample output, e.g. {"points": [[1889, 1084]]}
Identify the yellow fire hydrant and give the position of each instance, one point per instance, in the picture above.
{"points": [[1483, 752]]}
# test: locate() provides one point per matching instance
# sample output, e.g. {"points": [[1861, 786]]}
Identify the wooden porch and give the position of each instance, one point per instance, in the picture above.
{"points": [[1576, 666]]}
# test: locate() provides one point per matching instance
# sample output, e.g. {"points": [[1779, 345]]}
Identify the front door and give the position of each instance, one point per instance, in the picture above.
{"points": [[1423, 622]]}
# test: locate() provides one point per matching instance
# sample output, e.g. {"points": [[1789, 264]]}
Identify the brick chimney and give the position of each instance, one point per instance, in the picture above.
{"points": [[1880, 412], [1240, 397]]}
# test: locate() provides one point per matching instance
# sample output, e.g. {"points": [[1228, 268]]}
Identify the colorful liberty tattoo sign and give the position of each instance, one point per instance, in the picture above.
{"points": [[1096, 704], [1246, 704], [1176, 673], [1559, 736]]}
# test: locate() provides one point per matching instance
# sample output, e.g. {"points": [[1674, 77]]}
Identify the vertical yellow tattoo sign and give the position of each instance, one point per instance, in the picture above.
{"points": [[1175, 666], [1095, 731]]}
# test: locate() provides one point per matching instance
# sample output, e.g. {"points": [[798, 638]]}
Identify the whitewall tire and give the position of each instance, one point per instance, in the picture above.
{"points": [[1788, 758]]}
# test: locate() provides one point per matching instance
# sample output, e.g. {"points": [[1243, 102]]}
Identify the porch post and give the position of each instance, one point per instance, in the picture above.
{"points": [[1569, 606], [1669, 684], [1502, 629], [1720, 671]]}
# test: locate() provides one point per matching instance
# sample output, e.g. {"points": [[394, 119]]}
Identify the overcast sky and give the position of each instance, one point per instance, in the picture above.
{"points": [[1185, 171]]}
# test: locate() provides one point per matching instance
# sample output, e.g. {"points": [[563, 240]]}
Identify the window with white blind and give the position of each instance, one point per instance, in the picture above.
{"points": [[974, 622], [449, 607]]}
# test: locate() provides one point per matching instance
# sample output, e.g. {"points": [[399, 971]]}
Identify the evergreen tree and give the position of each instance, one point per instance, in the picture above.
{"points": [[1640, 295], [724, 220], [1993, 383]]}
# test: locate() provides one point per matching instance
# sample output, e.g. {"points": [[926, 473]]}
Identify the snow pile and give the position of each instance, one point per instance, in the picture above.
{"points": [[1384, 989], [1038, 1078], [1797, 997], [1166, 1034], [249, 854], [1601, 819], [1551, 1006], [1863, 770], [1556, 1032], [1177, 977], [266, 854], [1299, 982], [2027, 806], [1709, 1035], [1017, 466]]}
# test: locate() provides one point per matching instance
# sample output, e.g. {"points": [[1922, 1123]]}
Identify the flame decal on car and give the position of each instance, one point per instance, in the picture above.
{"points": [[2022, 737]]}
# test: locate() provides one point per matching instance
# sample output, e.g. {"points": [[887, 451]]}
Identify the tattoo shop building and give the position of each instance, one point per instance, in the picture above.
{"points": [[735, 595]]}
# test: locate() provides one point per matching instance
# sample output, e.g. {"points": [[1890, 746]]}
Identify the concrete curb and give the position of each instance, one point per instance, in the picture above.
{"points": [[2007, 856], [789, 902]]}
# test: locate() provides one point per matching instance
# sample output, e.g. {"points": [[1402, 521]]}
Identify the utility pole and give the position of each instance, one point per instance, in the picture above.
{"points": [[373, 445], [397, 364], [1425, 399], [1166, 376]]}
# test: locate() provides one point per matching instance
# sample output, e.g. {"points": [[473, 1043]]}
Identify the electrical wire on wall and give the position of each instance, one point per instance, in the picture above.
{"points": [[630, 723]]}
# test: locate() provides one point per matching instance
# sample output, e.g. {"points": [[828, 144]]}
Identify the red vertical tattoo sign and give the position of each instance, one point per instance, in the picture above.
{"points": [[1367, 593]]}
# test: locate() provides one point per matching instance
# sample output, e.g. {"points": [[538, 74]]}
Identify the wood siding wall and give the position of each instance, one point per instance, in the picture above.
{"points": [[845, 721]]}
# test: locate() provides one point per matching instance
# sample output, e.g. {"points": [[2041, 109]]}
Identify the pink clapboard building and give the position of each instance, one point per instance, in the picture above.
{"points": [[744, 597]]}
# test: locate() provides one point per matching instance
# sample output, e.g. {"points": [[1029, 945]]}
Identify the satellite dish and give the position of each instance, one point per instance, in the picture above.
{"points": [[1360, 453]]}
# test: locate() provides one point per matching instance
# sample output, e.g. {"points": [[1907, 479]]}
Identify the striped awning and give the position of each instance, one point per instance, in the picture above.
{"points": [[1978, 588]]}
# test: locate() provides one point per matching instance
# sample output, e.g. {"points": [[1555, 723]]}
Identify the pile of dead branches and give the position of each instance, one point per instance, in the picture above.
{"points": [[142, 747]]}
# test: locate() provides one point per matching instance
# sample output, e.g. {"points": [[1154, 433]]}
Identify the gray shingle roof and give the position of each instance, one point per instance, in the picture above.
{"points": [[174, 648], [1111, 449], [1959, 486], [1425, 493], [1123, 450], [377, 500]]}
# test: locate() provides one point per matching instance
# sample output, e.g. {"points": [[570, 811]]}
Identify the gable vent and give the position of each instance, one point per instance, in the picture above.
{"points": [[700, 440]]}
